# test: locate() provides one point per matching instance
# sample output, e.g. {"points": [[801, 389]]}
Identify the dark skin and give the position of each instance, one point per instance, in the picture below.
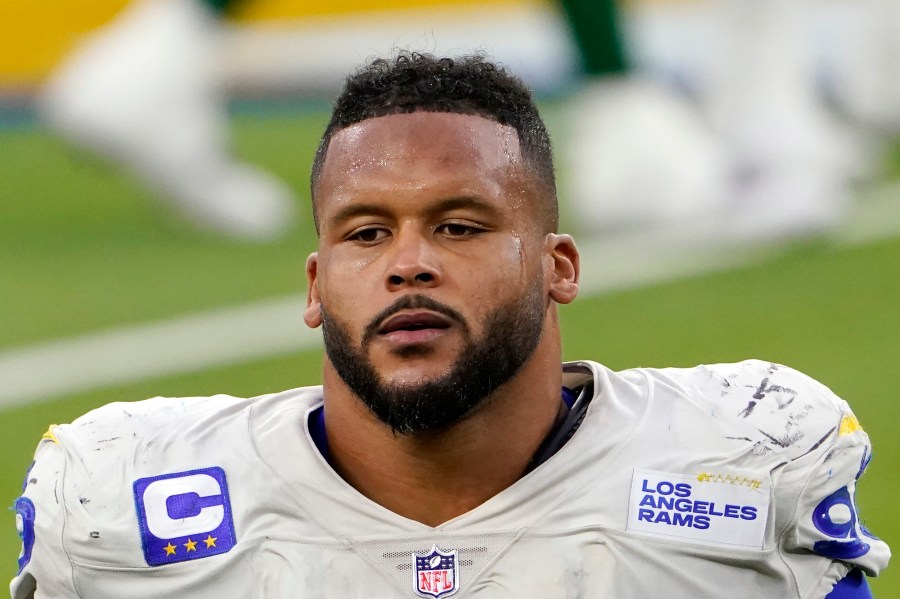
{"points": [[443, 205]]}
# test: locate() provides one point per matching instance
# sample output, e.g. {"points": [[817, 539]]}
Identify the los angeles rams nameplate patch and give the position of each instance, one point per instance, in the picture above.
{"points": [[184, 516], [706, 508]]}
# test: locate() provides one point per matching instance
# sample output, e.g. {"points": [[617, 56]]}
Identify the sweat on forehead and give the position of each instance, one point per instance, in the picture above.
{"points": [[452, 139], [425, 155]]}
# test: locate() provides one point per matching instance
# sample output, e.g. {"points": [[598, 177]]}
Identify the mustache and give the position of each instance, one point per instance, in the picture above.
{"points": [[413, 302]]}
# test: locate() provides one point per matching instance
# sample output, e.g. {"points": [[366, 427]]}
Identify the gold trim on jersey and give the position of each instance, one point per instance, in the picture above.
{"points": [[849, 424], [728, 479], [50, 434]]}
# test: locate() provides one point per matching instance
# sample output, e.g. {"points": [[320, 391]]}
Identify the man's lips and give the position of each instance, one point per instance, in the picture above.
{"points": [[412, 321]]}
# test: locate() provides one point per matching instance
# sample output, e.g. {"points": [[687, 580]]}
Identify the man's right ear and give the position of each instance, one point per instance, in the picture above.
{"points": [[312, 316]]}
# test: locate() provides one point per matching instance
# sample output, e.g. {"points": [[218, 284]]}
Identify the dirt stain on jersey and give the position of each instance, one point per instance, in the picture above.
{"points": [[763, 390], [790, 436]]}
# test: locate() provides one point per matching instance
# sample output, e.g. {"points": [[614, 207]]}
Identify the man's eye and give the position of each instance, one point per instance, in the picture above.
{"points": [[368, 235], [458, 229]]}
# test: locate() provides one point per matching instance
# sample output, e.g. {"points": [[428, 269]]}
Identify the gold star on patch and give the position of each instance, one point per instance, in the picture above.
{"points": [[191, 545], [210, 541], [170, 549]]}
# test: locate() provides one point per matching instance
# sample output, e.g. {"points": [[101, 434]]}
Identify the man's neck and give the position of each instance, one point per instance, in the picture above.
{"points": [[434, 477]]}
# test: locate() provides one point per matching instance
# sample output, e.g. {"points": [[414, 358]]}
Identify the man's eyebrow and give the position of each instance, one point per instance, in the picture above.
{"points": [[353, 210], [463, 202], [444, 205]]}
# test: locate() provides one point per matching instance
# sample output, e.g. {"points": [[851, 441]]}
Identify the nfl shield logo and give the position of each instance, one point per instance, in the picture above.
{"points": [[437, 573]]}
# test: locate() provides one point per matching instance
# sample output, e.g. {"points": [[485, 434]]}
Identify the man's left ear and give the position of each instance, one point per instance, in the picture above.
{"points": [[565, 267]]}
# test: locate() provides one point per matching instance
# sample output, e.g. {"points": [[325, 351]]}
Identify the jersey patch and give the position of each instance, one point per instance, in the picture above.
{"points": [[437, 573], [25, 526], [705, 509], [184, 516]]}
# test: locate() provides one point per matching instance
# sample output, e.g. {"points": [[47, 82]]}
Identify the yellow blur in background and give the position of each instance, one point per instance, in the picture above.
{"points": [[35, 35]]}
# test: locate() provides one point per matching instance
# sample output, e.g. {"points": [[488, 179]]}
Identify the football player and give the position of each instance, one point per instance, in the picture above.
{"points": [[448, 452]]}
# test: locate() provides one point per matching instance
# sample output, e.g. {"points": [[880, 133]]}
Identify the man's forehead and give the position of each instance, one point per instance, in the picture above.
{"points": [[418, 160], [424, 136]]}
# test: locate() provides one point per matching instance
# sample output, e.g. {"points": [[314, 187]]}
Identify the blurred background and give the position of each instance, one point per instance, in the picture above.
{"points": [[730, 169]]}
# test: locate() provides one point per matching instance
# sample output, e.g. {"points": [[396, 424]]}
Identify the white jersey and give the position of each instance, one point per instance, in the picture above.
{"points": [[735, 478]]}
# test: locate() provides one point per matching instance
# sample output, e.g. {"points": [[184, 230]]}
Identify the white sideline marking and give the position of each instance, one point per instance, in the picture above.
{"points": [[187, 344], [275, 327]]}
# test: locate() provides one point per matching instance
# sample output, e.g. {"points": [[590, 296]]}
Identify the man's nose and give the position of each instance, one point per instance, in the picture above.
{"points": [[413, 262]]}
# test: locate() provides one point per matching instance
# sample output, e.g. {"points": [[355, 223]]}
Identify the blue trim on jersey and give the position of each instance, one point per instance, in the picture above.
{"points": [[27, 474], [25, 515], [569, 397], [316, 423], [852, 586]]}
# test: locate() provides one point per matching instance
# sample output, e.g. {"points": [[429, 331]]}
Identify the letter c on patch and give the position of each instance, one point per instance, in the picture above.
{"points": [[174, 510], [175, 506]]}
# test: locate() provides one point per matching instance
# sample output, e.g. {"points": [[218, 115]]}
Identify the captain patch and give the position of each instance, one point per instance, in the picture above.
{"points": [[184, 516], [708, 509]]}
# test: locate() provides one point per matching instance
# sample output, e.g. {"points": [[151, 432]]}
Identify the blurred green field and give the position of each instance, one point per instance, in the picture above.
{"points": [[84, 249]]}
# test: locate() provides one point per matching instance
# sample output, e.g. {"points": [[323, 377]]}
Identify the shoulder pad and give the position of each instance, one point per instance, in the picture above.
{"points": [[777, 408]]}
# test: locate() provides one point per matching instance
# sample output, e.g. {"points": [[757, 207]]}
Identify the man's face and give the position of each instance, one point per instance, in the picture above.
{"points": [[429, 280]]}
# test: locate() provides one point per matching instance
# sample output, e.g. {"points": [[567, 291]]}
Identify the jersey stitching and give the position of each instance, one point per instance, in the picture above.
{"points": [[833, 566], [65, 511], [497, 556], [597, 399], [795, 516], [651, 400], [575, 488], [114, 567], [313, 515]]}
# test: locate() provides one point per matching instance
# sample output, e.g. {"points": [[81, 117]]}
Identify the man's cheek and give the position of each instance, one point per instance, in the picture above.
{"points": [[346, 259], [344, 293]]}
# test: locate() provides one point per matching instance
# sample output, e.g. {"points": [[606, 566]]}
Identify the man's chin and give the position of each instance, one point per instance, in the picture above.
{"points": [[414, 364], [410, 380]]}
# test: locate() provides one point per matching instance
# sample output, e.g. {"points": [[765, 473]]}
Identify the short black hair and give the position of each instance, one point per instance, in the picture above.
{"points": [[420, 82]]}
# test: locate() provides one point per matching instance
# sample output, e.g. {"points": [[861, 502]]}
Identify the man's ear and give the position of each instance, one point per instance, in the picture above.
{"points": [[312, 316], [565, 268]]}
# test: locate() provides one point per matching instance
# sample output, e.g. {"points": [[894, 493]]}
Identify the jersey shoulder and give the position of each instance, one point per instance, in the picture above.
{"points": [[741, 432], [105, 458], [780, 409], [776, 408], [157, 427], [119, 425]]}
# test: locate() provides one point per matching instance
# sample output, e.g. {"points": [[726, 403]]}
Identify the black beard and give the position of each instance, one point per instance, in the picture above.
{"points": [[511, 334]]}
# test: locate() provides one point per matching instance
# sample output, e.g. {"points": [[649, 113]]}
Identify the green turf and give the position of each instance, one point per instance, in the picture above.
{"points": [[84, 249]]}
